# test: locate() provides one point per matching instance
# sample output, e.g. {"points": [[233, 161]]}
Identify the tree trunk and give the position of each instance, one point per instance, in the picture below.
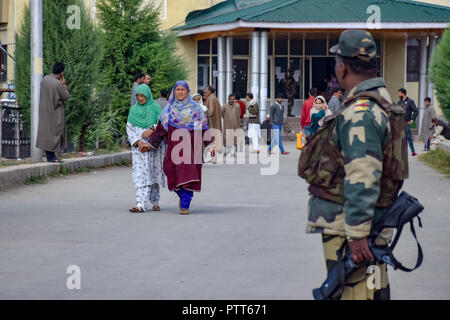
{"points": [[82, 138]]}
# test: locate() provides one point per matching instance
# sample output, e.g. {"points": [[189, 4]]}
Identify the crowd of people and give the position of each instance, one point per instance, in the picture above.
{"points": [[353, 174], [153, 124], [160, 117], [148, 117], [434, 130]]}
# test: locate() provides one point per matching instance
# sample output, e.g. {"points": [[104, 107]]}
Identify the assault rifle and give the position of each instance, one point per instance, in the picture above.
{"points": [[404, 210]]}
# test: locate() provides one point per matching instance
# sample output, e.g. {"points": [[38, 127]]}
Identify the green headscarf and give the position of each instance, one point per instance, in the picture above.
{"points": [[144, 115]]}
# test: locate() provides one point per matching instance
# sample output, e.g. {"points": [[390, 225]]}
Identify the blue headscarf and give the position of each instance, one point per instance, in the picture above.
{"points": [[186, 114]]}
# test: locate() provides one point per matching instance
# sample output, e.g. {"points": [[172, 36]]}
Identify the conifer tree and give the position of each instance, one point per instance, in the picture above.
{"points": [[133, 43], [440, 73], [78, 48]]}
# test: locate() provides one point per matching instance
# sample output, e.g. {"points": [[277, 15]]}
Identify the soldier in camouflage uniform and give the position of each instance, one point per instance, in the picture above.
{"points": [[351, 188], [291, 91]]}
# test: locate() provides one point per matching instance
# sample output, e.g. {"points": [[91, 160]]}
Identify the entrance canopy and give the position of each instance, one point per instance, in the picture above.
{"points": [[255, 44], [316, 14]]}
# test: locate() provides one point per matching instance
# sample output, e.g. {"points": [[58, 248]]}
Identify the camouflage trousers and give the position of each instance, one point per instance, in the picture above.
{"points": [[356, 284]]}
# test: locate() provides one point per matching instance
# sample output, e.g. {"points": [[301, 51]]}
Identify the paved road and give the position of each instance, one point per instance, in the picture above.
{"points": [[244, 239]]}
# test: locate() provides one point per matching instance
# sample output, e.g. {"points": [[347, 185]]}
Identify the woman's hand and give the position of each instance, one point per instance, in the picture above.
{"points": [[213, 152], [147, 133], [143, 147]]}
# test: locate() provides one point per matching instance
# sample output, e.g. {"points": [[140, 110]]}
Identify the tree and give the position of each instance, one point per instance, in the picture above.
{"points": [[133, 43], [440, 73], [78, 48]]}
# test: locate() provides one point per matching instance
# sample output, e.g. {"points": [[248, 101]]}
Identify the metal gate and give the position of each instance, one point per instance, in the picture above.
{"points": [[14, 143]]}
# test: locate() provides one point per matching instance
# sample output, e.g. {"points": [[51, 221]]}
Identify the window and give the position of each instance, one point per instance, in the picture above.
{"points": [[214, 46], [203, 47], [3, 64], [281, 43], [206, 72], [240, 76], [203, 73], [413, 56], [281, 68], [316, 47], [241, 47], [296, 44], [270, 45]]}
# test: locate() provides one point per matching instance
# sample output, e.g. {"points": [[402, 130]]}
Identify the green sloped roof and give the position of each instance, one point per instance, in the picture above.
{"points": [[297, 11]]}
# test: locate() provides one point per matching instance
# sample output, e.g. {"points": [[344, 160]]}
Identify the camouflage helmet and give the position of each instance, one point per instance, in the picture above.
{"points": [[356, 44]]}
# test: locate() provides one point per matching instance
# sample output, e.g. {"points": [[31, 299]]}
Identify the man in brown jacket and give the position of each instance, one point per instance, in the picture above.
{"points": [[52, 135], [231, 113], [214, 113]]}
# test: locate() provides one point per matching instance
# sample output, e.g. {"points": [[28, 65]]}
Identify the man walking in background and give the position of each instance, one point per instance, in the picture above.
{"points": [[277, 117], [147, 79], [335, 102], [411, 113], [139, 79], [427, 125], [51, 135], [214, 115], [231, 113]]}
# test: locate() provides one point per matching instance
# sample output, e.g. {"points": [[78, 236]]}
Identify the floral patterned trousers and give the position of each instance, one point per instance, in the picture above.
{"points": [[146, 193]]}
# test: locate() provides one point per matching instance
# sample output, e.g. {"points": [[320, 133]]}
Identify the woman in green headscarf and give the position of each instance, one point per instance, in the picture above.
{"points": [[148, 175]]}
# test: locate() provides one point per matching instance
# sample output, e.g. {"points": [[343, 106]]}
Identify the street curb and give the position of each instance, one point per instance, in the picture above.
{"points": [[19, 174]]}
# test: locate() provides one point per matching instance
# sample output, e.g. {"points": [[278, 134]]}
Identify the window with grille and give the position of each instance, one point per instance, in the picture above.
{"points": [[3, 64]]}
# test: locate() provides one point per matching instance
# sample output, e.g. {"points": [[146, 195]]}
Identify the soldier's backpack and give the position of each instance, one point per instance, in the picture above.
{"points": [[321, 164]]}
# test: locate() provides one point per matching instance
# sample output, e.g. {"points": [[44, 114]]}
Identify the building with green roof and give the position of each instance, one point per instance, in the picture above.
{"points": [[249, 45]]}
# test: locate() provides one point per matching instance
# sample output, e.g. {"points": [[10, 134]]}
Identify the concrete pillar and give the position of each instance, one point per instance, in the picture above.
{"points": [[263, 78], [431, 47], [37, 70], [221, 69], [256, 37], [422, 79], [229, 66]]}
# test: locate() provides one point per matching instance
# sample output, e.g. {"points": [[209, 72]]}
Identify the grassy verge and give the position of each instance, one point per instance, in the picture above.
{"points": [[9, 163], [439, 160]]}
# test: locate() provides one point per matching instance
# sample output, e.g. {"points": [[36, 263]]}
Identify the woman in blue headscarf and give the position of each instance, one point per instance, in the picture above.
{"points": [[183, 125], [148, 175]]}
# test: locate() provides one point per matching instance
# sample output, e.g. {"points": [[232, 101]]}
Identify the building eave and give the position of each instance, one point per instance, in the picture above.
{"points": [[312, 25]]}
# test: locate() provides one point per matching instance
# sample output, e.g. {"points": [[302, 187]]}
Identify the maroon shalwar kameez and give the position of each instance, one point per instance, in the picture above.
{"points": [[183, 175]]}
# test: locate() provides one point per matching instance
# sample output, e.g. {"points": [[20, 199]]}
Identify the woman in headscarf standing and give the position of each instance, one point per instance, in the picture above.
{"points": [[183, 125], [199, 99], [148, 175], [318, 112]]}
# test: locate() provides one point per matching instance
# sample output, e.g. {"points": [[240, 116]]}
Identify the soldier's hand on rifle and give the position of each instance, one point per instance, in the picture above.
{"points": [[359, 250]]}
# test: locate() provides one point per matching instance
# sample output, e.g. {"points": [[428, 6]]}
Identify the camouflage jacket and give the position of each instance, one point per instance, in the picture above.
{"points": [[361, 133]]}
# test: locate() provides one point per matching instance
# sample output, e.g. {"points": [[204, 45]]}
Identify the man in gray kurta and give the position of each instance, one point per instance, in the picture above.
{"points": [[231, 114], [427, 126], [52, 135], [334, 105], [162, 101]]}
